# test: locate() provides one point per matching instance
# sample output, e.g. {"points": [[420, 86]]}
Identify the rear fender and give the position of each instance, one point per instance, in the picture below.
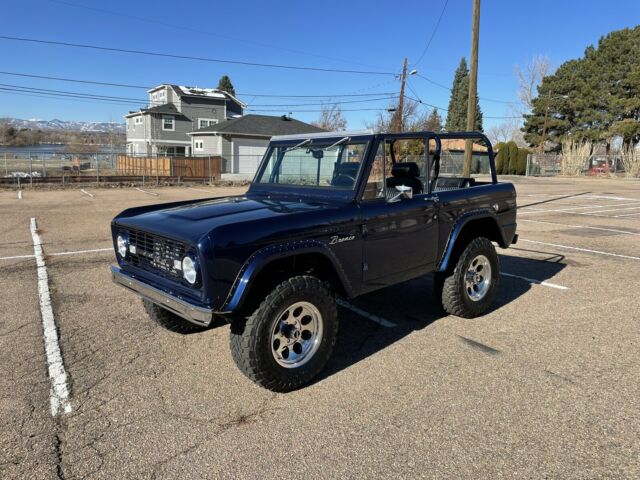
{"points": [[458, 228]]}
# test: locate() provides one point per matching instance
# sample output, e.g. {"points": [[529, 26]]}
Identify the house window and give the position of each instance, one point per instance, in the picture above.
{"points": [[199, 145], [206, 122], [168, 122], [138, 120]]}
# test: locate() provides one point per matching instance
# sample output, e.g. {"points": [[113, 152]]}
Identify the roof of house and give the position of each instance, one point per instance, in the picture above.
{"points": [[259, 126], [184, 91]]}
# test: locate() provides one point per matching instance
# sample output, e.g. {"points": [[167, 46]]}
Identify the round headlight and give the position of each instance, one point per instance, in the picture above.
{"points": [[123, 244], [189, 270]]}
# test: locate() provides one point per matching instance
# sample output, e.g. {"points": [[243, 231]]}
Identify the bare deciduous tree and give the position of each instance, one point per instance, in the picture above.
{"points": [[331, 118], [529, 77]]}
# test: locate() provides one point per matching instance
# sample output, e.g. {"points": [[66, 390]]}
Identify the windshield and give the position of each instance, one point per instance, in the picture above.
{"points": [[334, 165]]}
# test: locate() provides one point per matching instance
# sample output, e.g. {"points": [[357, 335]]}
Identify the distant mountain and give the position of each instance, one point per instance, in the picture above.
{"points": [[55, 124]]}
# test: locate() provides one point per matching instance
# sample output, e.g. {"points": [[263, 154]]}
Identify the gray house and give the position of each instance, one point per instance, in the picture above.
{"points": [[242, 141], [173, 112]]}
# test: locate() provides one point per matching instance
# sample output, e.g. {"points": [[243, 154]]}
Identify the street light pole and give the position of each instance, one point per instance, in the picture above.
{"points": [[545, 124]]}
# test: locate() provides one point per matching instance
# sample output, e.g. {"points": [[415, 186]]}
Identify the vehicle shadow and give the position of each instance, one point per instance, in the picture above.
{"points": [[412, 307]]}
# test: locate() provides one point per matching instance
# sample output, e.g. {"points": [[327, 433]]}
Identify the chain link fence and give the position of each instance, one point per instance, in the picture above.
{"points": [[549, 164], [29, 167]]}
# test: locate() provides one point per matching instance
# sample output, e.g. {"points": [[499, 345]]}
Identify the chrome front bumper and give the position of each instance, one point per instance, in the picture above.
{"points": [[192, 313]]}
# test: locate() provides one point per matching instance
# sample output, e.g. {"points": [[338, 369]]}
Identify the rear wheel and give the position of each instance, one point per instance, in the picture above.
{"points": [[169, 320], [288, 339], [469, 290]]}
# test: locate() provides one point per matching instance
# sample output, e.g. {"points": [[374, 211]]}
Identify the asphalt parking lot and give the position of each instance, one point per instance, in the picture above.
{"points": [[547, 385]]}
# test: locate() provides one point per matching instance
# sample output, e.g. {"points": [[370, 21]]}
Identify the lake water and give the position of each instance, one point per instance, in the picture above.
{"points": [[41, 149]]}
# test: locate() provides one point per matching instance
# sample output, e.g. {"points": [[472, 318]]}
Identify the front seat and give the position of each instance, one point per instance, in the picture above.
{"points": [[405, 173]]}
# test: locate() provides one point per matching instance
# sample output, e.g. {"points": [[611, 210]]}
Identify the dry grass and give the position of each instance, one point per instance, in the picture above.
{"points": [[574, 157], [631, 161]]}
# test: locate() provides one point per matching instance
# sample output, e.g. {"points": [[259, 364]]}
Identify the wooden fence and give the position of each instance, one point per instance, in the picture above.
{"points": [[186, 167]]}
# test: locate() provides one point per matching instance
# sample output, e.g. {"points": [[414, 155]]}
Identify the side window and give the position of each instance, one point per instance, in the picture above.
{"points": [[452, 157], [375, 187], [409, 165]]}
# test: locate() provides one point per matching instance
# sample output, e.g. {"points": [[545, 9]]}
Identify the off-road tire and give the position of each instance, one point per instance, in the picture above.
{"points": [[169, 320], [455, 299], [250, 338]]}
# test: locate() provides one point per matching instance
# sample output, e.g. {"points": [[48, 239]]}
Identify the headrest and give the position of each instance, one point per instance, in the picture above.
{"points": [[405, 169], [348, 168]]}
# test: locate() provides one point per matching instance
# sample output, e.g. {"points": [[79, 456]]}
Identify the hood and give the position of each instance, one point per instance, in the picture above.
{"points": [[192, 220]]}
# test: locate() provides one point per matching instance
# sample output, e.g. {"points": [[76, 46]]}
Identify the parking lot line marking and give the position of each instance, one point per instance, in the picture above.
{"points": [[630, 257], [614, 230], [535, 282], [17, 256], [147, 192], [59, 391], [86, 193], [19, 194], [612, 209], [78, 252], [626, 215], [363, 313], [200, 190]]}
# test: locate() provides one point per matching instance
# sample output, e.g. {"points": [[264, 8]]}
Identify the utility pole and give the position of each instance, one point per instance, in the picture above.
{"points": [[399, 113], [545, 124], [473, 87]]}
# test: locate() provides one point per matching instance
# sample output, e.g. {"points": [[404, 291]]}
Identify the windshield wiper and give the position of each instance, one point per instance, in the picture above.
{"points": [[339, 142], [301, 144]]}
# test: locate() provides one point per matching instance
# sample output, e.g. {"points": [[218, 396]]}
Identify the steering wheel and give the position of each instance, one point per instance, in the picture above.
{"points": [[343, 180]]}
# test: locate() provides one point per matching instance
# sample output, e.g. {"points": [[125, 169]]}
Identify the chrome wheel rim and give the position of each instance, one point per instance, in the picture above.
{"points": [[478, 278], [296, 334]]}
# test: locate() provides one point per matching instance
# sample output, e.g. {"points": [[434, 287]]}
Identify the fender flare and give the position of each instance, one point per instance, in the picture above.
{"points": [[457, 228], [261, 258]]}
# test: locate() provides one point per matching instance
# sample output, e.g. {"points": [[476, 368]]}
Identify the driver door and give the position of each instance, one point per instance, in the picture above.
{"points": [[399, 236]]}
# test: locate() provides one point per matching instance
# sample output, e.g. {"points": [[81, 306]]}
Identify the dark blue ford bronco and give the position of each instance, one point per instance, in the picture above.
{"points": [[330, 214]]}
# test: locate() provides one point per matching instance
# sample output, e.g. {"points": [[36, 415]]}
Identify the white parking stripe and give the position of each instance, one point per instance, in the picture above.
{"points": [[147, 192], [614, 230], [613, 209], [370, 316], [58, 254], [59, 391], [535, 282], [630, 257], [200, 190], [86, 193], [626, 215], [19, 194]]}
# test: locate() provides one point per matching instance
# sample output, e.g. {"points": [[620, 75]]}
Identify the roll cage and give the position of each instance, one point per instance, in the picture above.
{"points": [[432, 159]]}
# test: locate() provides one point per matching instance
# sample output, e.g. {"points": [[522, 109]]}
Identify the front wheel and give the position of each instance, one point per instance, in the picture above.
{"points": [[288, 339], [470, 289]]}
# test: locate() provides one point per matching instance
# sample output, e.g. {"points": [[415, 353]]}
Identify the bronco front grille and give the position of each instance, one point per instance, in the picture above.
{"points": [[155, 253]]}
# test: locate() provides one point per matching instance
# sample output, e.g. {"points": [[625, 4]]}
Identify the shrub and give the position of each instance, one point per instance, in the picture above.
{"points": [[522, 161], [512, 148], [499, 152]]}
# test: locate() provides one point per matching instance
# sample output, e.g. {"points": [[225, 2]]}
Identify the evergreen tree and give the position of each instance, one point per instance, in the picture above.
{"points": [[457, 112], [522, 161], [225, 85], [591, 97], [512, 153], [500, 150]]}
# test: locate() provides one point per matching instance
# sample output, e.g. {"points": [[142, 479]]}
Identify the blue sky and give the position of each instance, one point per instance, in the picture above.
{"points": [[326, 34]]}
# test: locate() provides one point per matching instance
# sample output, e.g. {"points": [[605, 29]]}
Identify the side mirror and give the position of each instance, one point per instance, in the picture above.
{"points": [[403, 192]]}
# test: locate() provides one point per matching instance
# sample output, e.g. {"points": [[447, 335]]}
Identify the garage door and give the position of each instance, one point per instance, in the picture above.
{"points": [[248, 154]]}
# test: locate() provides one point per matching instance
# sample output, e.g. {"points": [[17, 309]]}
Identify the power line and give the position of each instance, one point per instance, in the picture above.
{"points": [[189, 57], [130, 101], [208, 33], [433, 34], [142, 87], [449, 89], [442, 109]]}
